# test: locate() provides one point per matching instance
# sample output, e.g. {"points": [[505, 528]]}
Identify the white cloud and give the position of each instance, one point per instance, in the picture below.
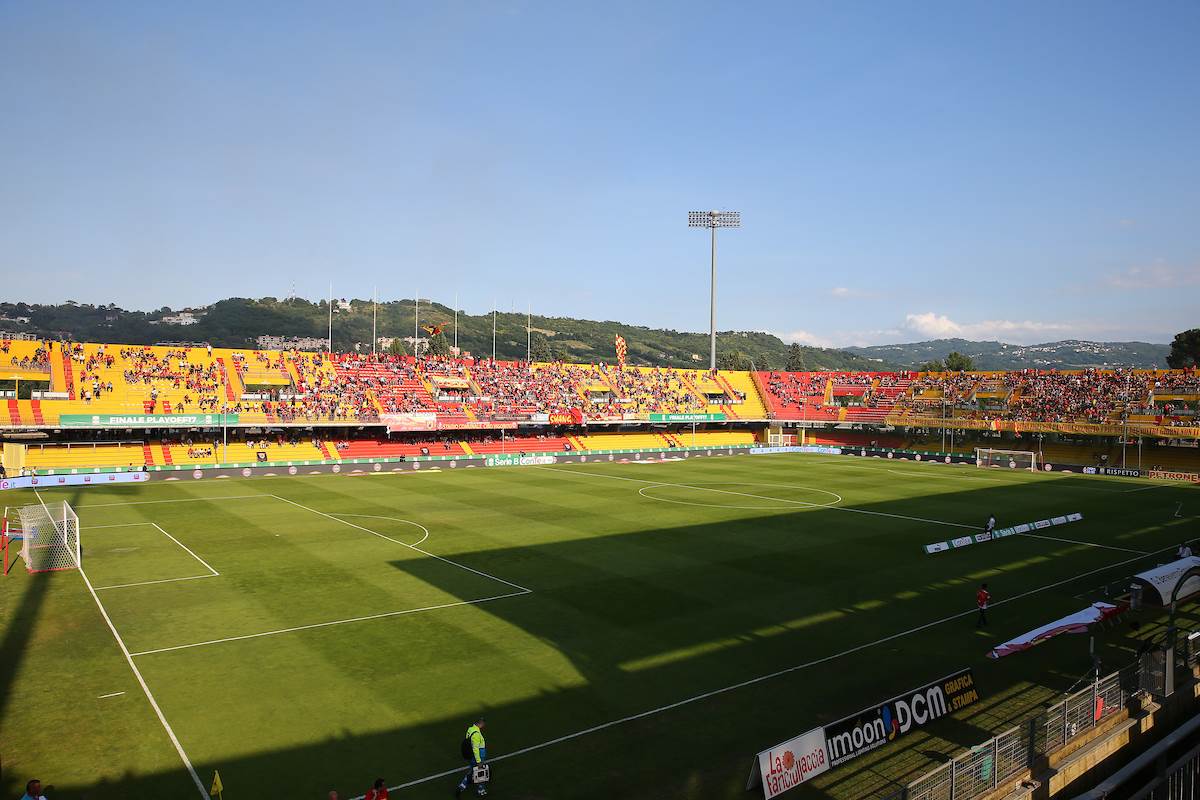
{"points": [[1158, 275], [840, 291], [804, 337], [939, 326]]}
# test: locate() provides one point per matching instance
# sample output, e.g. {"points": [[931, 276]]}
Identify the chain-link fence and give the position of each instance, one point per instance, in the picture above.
{"points": [[983, 768]]}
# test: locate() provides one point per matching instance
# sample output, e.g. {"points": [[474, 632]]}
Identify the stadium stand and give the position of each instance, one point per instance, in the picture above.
{"points": [[445, 398]]}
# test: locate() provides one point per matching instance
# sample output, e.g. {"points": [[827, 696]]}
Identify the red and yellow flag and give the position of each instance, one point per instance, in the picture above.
{"points": [[622, 350]]}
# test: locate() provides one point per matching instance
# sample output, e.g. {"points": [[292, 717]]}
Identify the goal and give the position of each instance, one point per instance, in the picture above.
{"points": [[1007, 459], [45, 536]]}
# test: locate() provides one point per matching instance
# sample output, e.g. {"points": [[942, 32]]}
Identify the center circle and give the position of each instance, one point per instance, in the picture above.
{"points": [[733, 495]]}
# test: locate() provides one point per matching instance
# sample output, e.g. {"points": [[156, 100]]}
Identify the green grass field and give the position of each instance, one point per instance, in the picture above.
{"points": [[612, 621]]}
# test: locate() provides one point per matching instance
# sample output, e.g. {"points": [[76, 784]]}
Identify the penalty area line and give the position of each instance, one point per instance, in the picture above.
{"points": [[762, 678], [383, 615]]}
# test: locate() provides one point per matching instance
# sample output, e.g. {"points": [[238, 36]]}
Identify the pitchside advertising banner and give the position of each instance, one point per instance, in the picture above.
{"points": [[1000, 533], [48, 481], [787, 765], [146, 420], [518, 460]]}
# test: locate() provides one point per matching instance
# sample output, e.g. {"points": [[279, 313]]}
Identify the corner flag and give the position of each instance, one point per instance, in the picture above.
{"points": [[217, 788]]}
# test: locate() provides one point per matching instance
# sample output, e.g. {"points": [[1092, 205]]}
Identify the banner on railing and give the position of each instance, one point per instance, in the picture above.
{"points": [[146, 420], [718, 417], [874, 727], [787, 765], [412, 421], [475, 425], [573, 417]]}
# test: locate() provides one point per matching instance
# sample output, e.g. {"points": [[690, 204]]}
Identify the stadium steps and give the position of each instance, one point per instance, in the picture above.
{"points": [[576, 443], [148, 455], [14, 412], [229, 394], [35, 408], [325, 454], [166, 454], [60, 374], [466, 446]]}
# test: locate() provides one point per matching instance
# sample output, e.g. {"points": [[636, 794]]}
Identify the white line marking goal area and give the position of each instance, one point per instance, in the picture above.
{"points": [[212, 573]]}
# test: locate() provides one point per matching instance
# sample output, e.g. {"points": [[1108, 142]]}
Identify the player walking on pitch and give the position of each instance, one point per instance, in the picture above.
{"points": [[981, 600], [991, 524]]}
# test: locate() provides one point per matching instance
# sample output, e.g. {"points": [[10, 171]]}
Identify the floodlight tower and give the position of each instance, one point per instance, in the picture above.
{"points": [[713, 220]]}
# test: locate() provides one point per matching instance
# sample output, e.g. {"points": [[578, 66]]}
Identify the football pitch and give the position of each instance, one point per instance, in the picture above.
{"points": [[628, 630]]}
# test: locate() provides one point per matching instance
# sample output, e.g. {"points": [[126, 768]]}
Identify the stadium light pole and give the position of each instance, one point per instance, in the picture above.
{"points": [[331, 316], [713, 220], [374, 317]]}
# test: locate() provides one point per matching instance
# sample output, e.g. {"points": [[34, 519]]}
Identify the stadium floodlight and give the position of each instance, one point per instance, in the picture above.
{"points": [[713, 220]]}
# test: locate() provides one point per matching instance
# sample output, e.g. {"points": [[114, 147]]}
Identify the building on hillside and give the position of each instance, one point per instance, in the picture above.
{"points": [[291, 343]]}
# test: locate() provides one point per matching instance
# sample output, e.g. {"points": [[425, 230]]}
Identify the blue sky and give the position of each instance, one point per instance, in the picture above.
{"points": [[1022, 171]]}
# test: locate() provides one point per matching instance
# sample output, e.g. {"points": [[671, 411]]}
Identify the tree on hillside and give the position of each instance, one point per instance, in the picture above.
{"points": [[397, 347], [795, 359], [1185, 350], [540, 348], [937, 365], [958, 362], [438, 346], [733, 359]]}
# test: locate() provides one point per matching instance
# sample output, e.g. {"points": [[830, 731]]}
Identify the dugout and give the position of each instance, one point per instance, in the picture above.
{"points": [[1159, 583]]}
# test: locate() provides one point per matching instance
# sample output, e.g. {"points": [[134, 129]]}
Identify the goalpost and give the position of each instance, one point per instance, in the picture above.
{"points": [[46, 536], [1008, 459]]}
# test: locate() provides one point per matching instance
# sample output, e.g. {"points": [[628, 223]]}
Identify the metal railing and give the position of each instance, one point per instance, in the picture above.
{"points": [[983, 768]]}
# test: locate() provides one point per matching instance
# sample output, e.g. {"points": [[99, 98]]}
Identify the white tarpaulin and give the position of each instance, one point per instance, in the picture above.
{"points": [[1073, 623]]}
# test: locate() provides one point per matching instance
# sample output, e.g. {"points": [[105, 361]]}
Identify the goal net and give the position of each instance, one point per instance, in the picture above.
{"points": [[1007, 459], [46, 536]]}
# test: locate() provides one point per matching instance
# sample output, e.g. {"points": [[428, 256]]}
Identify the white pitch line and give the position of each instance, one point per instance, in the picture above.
{"points": [[1088, 544], [207, 566], [212, 572], [327, 624], [761, 678], [177, 500], [110, 694], [1141, 488], [405, 544], [151, 583], [571, 471], [187, 762], [393, 519]]}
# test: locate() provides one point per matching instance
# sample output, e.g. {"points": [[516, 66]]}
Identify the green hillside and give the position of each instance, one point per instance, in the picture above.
{"points": [[237, 322]]}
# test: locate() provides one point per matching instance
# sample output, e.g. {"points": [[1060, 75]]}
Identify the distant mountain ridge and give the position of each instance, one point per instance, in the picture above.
{"points": [[1067, 354]]}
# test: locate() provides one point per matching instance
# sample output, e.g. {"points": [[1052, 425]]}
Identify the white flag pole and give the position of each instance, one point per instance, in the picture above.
{"points": [[528, 334], [374, 317], [456, 324], [493, 330], [416, 317], [331, 316]]}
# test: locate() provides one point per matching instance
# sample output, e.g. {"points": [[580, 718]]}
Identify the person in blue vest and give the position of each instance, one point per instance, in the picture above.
{"points": [[474, 752]]}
